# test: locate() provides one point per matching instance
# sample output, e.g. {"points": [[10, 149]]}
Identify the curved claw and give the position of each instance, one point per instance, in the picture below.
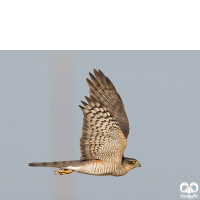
{"points": [[62, 171]]}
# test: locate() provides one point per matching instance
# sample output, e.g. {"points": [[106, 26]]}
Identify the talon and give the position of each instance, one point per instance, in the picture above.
{"points": [[62, 171]]}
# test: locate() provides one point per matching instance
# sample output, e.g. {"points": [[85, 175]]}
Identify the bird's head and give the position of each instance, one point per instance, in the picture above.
{"points": [[130, 163]]}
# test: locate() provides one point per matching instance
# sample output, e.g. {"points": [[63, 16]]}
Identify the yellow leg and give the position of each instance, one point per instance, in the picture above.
{"points": [[63, 171]]}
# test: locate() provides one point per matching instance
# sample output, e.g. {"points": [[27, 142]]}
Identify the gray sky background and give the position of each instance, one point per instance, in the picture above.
{"points": [[40, 93]]}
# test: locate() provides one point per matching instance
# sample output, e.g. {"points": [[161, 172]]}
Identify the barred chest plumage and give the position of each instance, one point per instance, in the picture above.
{"points": [[101, 168]]}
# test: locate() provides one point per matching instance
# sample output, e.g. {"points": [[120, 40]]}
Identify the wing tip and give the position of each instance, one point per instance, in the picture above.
{"points": [[81, 107], [94, 70]]}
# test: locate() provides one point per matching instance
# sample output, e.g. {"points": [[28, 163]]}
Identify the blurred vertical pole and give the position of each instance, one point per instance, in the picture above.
{"points": [[62, 73]]}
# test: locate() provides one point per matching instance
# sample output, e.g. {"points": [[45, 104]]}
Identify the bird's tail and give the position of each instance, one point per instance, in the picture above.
{"points": [[59, 164]]}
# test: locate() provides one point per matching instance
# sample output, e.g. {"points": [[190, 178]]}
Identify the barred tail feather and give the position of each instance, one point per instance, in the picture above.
{"points": [[50, 164], [57, 164]]}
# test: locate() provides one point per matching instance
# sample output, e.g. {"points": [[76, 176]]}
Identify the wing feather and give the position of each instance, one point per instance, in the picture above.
{"points": [[102, 137], [105, 124], [102, 89]]}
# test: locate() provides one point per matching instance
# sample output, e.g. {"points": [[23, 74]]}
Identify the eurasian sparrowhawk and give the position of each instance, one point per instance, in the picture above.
{"points": [[104, 133]]}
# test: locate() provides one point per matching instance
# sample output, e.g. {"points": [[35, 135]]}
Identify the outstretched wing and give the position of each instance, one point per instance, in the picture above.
{"points": [[101, 136], [102, 89], [105, 124]]}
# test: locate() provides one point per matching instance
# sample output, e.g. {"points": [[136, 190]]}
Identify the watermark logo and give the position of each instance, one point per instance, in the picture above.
{"points": [[189, 190]]}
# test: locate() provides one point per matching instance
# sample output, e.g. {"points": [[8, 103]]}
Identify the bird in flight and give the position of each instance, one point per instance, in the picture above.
{"points": [[104, 134]]}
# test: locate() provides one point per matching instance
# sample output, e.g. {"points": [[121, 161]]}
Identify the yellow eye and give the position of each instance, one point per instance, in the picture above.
{"points": [[134, 162]]}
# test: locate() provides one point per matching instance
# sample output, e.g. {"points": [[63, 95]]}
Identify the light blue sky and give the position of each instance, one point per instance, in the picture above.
{"points": [[41, 121]]}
